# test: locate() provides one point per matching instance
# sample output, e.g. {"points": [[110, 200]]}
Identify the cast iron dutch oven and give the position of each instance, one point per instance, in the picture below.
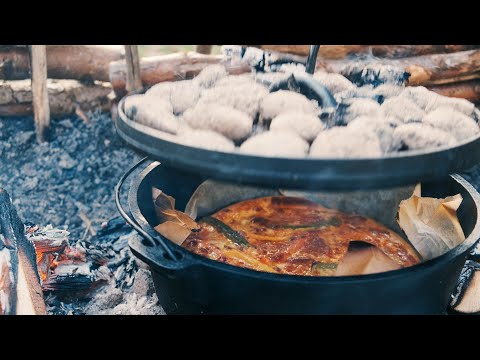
{"points": [[336, 174], [187, 283]]}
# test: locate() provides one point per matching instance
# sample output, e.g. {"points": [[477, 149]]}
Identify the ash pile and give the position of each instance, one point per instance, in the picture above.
{"points": [[98, 276], [69, 180], [84, 261]]}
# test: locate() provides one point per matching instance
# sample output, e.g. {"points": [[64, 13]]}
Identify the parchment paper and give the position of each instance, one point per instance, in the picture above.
{"points": [[431, 224], [212, 196]]}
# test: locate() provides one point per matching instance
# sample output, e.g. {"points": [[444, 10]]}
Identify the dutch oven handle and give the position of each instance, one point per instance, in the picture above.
{"points": [[156, 253], [156, 258], [307, 85]]}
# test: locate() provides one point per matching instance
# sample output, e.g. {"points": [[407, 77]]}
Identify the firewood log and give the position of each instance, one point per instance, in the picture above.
{"points": [[20, 290], [387, 51], [81, 62], [469, 90], [424, 70], [172, 67], [65, 97]]}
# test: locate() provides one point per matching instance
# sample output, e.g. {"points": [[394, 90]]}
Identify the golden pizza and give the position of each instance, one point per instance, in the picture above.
{"points": [[290, 235]]}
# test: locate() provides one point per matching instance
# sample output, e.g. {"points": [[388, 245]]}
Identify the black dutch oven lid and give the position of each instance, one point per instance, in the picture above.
{"points": [[309, 174], [331, 174]]}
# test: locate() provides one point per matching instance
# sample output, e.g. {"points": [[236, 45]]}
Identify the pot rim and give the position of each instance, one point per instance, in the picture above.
{"points": [[193, 259], [164, 136], [394, 169]]}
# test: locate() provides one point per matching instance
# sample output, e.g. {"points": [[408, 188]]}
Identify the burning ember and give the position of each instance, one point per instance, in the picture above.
{"points": [[99, 276], [50, 245], [71, 275]]}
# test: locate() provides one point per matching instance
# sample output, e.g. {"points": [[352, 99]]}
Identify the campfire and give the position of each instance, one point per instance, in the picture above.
{"points": [[75, 279], [195, 234]]}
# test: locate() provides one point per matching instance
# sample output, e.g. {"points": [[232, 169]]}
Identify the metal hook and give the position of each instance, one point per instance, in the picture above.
{"points": [[312, 59]]}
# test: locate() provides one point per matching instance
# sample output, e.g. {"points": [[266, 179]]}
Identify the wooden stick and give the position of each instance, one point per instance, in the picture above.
{"points": [[41, 107], [81, 114], [171, 67], [80, 62], [85, 234], [87, 222], [204, 49], [134, 81]]}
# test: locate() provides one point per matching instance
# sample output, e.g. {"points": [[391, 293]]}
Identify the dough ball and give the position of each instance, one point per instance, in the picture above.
{"points": [[154, 113], [181, 94], [209, 76], [161, 90], [306, 125], [353, 108], [363, 92], [417, 136], [244, 96], [283, 101], [225, 120], [345, 142], [335, 83], [276, 143], [403, 109], [206, 139], [461, 105], [430, 101], [454, 122], [134, 102], [386, 91], [382, 126], [236, 80], [420, 95]]}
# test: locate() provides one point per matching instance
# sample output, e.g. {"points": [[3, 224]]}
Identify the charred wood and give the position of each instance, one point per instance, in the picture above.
{"points": [[20, 290], [386, 51], [424, 70]]}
